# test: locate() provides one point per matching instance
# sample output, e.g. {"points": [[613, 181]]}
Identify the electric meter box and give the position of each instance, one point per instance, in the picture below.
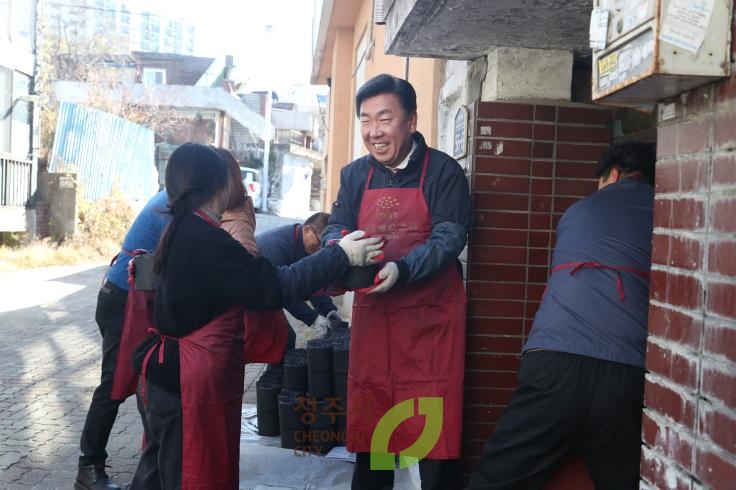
{"points": [[655, 49]]}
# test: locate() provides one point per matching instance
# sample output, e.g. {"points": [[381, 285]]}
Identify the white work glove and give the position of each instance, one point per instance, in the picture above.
{"points": [[361, 251], [388, 275], [321, 325]]}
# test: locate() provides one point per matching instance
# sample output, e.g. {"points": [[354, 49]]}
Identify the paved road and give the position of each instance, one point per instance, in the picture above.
{"points": [[49, 367], [50, 354]]}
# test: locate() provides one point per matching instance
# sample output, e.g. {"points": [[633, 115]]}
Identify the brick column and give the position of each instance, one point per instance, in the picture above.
{"points": [[689, 424], [531, 162], [42, 219]]}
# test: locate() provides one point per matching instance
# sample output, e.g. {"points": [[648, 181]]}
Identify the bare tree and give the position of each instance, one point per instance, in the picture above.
{"points": [[80, 42]]}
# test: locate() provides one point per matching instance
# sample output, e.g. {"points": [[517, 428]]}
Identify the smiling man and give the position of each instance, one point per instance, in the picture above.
{"points": [[408, 329]]}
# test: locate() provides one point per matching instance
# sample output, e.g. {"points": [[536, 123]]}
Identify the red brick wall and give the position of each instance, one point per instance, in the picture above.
{"points": [[690, 416], [42, 219], [530, 162]]}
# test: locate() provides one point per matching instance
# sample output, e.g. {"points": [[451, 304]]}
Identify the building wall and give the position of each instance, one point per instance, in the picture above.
{"points": [[340, 113], [134, 24], [19, 121], [689, 426], [530, 163]]}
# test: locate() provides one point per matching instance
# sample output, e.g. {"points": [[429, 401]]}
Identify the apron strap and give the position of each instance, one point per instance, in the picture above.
{"points": [[207, 218], [576, 266], [160, 343], [424, 169], [297, 227], [368, 180]]}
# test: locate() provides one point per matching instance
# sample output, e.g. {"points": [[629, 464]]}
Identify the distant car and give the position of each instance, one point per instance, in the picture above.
{"points": [[251, 181]]}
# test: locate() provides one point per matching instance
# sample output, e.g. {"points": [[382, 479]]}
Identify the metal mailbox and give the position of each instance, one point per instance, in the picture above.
{"points": [[649, 50]]}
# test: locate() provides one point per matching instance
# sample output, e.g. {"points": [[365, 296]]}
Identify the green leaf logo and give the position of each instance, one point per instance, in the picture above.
{"points": [[381, 458]]}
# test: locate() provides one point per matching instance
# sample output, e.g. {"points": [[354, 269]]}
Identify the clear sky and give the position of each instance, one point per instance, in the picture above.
{"points": [[278, 56]]}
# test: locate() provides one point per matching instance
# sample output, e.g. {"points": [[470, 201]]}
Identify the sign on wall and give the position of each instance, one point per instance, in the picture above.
{"points": [[460, 145]]}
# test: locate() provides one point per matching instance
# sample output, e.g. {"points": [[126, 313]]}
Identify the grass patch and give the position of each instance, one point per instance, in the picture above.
{"points": [[101, 227]]}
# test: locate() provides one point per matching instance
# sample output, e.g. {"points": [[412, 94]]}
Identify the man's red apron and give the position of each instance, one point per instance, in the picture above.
{"points": [[410, 341], [575, 267], [211, 376]]}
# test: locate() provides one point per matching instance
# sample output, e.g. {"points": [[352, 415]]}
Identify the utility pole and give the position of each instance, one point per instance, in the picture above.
{"points": [[266, 152], [267, 133]]}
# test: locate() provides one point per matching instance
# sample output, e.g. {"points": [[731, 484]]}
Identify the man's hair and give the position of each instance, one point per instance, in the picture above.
{"points": [[629, 156], [387, 84], [318, 221]]}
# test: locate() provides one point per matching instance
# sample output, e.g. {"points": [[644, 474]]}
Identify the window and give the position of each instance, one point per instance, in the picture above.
{"points": [[189, 41], [104, 14], [172, 36], [150, 32], [20, 125], [6, 86], [125, 21], [4, 22], [154, 76], [21, 23]]}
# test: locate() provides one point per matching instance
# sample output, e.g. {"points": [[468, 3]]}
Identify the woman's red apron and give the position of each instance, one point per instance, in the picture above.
{"points": [[211, 376], [137, 321], [409, 342], [266, 335], [136, 324]]}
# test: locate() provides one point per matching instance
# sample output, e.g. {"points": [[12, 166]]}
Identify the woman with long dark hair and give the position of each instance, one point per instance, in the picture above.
{"points": [[191, 383]]}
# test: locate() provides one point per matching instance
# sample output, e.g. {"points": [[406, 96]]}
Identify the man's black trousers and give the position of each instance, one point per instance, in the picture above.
{"points": [[564, 403], [102, 410], [436, 474]]}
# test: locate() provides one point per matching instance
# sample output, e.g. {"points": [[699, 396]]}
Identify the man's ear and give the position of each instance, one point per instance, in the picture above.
{"points": [[413, 117], [615, 174]]}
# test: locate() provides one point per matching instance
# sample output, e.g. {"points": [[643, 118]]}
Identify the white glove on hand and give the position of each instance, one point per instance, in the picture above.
{"points": [[321, 325], [388, 275], [361, 251]]}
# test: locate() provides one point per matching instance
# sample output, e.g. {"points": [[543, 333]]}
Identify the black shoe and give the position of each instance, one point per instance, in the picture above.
{"points": [[94, 477]]}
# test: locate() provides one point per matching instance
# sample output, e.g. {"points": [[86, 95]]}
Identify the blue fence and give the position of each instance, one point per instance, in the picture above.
{"points": [[105, 151]]}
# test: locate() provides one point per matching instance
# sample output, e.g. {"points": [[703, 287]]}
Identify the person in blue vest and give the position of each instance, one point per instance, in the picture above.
{"points": [[581, 380], [144, 234], [288, 244]]}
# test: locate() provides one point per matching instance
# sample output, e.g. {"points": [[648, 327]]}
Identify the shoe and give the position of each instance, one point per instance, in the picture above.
{"points": [[94, 477]]}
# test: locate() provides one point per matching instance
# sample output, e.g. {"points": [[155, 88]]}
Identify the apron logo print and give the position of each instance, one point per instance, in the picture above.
{"points": [[381, 458], [387, 202]]}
